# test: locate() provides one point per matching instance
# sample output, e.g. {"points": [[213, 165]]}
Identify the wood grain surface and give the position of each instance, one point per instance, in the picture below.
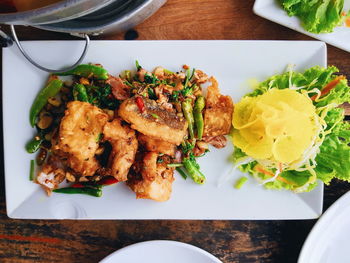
{"points": [[231, 241]]}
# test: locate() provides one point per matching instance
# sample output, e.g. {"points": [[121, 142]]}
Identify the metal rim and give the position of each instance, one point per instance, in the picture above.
{"points": [[99, 29], [25, 54]]}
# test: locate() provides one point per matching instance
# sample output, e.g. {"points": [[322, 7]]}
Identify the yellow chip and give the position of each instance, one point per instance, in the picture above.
{"points": [[277, 125]]}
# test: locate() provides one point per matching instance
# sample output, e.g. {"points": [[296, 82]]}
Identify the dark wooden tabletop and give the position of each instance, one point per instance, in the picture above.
{"points": [[230, 241]]}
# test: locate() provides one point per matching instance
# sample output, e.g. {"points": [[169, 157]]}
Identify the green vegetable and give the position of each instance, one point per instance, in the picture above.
{"points": [[167, 71], [333, 156], [97, 192], [50, 90], [34, 145], [175, 165], [79, 93], [175, 95], [187, 147], [198, 116], [188, 90], [151, 94], [188, 113], [151, 79], [333, 161], [99, 137], [101, 97], [193, 170], [32, 170], [87, 71], [155, 116], [188, 77], [127, 75], [182, 173], [240, 182], [138, 67], [316, 16]]}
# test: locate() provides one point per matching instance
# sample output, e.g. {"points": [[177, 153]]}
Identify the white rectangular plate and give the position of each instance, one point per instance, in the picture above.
{"points": [[233, 63], [271, 10]]}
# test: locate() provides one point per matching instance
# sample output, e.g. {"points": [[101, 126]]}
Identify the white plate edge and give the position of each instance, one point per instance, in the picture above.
{"points": [[173, 242]]}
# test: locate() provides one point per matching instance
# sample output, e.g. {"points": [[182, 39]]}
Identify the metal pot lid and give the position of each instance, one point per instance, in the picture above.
{"points": [[60, 11], [114, 17]]}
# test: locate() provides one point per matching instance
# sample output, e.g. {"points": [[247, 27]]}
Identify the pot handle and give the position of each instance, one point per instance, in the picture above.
{"points": [[25, 54]]}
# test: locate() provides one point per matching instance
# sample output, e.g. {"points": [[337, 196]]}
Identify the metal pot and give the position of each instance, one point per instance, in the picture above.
{"points": [[70, 16], [60, 11], [114, 17]]}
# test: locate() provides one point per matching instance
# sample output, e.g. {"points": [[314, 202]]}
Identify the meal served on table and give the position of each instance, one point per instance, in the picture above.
{"points": [[98, 129]]}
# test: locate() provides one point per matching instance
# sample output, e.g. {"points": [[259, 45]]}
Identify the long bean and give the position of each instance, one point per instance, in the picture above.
{"points": [[73, 190], [193, 171], [87, 71], [181, 172], [79, 93], [32, 170], [34, 145], [188, 113], [198, 116], [52, 87]]}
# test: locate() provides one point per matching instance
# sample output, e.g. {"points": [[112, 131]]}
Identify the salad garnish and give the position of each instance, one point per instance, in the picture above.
{"points": [[289, 131]]}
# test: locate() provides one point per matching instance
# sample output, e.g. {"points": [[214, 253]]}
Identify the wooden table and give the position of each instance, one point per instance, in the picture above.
{"points": [[231, 241]]}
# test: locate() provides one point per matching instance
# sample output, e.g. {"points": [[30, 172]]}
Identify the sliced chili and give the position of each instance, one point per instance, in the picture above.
{"points": [[108, 181], [140, 104]]}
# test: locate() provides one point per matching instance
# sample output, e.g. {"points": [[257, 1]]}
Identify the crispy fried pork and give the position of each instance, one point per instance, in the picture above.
{"points": [[153, 121], [79, 131], [218, 111], [124, 147]]}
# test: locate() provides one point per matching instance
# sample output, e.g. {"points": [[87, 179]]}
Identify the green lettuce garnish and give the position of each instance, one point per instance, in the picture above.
{"points": [[317, 16], [333, 155]]}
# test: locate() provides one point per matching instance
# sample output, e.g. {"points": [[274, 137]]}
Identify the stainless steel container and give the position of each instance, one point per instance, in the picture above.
{"points": [[60, 11], [82, 18], [115, 17]]}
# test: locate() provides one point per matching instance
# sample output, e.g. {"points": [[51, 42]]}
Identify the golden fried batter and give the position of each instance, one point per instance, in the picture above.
{"points": [[156, 182], [124, 144], [158, 190], [154, 145], [153, 121], [218, 111], [79, 131]]}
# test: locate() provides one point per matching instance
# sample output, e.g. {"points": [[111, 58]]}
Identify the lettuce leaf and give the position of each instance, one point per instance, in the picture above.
{"points": [[333, 161], [317, 16]]}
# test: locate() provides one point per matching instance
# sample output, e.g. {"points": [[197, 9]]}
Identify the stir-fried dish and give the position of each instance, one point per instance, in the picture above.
{"points": [[97, 129]]}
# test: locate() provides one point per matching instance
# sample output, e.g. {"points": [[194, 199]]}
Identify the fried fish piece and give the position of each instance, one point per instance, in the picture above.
{"points": [[148, 118], [155, 145], [124, 147], [218, 111], [155, 181], [78, 136]]}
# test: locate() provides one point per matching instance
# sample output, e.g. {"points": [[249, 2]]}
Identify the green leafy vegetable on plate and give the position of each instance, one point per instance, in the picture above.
{"points": [[317, 16]]}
